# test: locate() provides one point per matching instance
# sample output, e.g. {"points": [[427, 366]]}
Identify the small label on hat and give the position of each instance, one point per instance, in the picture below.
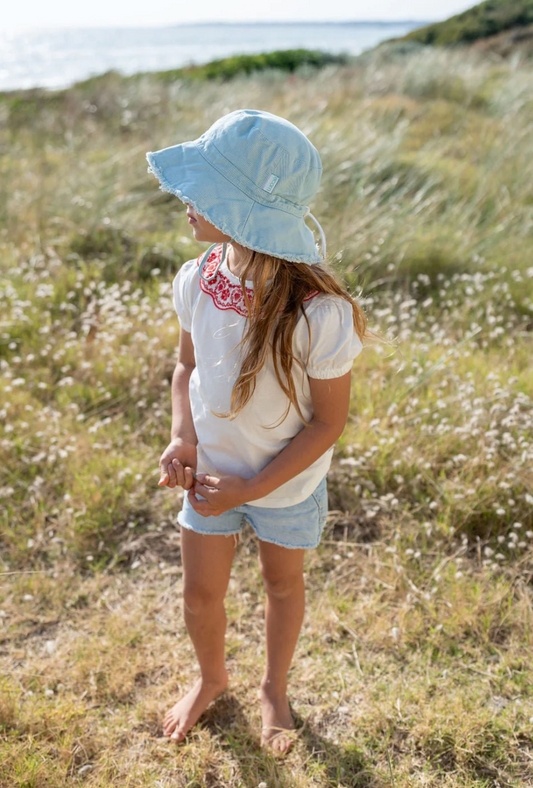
{"points": [[270, 182]]}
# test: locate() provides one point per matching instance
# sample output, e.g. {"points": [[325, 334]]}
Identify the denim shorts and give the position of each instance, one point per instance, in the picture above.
{"points": [[297, 526]]}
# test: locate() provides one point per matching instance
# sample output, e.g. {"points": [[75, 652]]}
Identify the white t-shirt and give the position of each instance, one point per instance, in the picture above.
{"points": [[215, 315]]}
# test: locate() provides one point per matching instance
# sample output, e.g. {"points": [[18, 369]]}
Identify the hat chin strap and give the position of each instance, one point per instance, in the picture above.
{"points": [[320, 230], [204, 259]]}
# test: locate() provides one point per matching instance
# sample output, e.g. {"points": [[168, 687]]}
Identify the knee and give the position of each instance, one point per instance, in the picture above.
{"points": [[281, 586], [198, 597]]}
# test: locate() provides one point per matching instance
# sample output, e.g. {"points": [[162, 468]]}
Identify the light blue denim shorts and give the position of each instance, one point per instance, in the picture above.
{"points": [[298, 526]]}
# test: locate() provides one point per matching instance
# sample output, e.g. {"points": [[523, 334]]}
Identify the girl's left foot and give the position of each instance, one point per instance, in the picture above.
{"points": [[278, 724]]}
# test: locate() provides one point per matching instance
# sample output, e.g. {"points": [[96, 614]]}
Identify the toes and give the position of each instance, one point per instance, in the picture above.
{"points": [[281, 746], [168, 725], [178, 735], [280, 743]]}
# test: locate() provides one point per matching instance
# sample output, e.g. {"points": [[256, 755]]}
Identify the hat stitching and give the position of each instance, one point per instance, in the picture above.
{"points": [[281, 159], [254, 191], [279, 145], [311, 166], [275, 144]]}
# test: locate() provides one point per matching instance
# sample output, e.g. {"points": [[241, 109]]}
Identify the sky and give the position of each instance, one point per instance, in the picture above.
{"points": [[138, 13]]}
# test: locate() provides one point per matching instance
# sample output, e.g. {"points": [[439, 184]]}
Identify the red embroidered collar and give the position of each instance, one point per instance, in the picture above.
{"points": [[225, 293]]}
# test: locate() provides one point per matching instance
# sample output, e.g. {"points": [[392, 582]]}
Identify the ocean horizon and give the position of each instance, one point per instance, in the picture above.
{"points": [[57, 58]]}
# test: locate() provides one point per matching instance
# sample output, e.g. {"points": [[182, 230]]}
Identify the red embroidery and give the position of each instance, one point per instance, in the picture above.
{"points": [[227, 294]]}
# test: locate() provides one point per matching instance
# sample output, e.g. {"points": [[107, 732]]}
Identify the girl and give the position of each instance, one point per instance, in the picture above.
{"points": [[260, 392]]}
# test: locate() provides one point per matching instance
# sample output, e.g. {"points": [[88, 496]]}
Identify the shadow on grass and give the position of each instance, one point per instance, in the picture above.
{"points": [[342, 766]]}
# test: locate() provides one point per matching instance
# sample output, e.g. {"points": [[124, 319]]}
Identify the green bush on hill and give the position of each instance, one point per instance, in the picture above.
{"points": [[226, 68], [482, 21]]}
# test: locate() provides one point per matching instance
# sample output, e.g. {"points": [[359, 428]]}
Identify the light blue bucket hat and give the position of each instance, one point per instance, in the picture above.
{"points": [[250, 175]]}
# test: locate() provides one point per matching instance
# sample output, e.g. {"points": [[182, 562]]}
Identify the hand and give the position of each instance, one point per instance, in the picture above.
{"points": [[221, 493], [177, 464]]}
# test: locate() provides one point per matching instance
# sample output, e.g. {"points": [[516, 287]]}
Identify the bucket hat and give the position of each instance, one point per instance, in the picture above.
{"points": [[251, 175]]}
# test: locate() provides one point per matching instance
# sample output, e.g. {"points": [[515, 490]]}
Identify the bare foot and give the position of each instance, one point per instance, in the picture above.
{"points": [[278, 724], [185, 713]]}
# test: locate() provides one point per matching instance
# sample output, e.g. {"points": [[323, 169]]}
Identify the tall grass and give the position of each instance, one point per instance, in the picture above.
{"points": [[412, 668]]}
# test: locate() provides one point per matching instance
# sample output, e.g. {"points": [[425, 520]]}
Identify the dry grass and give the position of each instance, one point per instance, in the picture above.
{"points": [[413, 665]]}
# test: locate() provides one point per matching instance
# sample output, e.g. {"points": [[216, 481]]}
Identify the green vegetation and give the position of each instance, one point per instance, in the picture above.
{"points": [[23, 103], [288, 60], [22, 107], [413, 668], [482, 21]]}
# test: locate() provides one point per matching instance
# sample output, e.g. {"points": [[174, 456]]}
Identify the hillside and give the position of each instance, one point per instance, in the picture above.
{"points": [[502, 26], [482, 21], [517, 39]]}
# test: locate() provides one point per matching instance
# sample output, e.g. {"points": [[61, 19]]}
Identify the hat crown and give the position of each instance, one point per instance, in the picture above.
{"points": [[270, 151]]}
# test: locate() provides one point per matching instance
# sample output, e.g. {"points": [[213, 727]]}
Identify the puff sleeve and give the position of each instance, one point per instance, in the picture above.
{"points": [[334, 342], [182, 293]]}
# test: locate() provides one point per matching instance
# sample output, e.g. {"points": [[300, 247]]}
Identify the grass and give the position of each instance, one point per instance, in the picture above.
{"points": [[413, 666]]}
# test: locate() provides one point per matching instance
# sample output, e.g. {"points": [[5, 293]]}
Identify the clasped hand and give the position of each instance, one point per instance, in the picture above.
{"points": [[220, 492], [177, 465]]}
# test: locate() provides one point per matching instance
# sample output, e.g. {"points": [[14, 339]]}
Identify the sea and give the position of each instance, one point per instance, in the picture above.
{"points": [[58, 58]]}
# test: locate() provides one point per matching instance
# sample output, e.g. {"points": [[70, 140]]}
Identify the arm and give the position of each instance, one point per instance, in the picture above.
{"points": [[182, 423], [331, 401], [178, 461]]}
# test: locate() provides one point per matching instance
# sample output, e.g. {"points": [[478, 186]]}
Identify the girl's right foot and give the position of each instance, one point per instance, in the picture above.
{"points": [[278, 731], [185, 713]]}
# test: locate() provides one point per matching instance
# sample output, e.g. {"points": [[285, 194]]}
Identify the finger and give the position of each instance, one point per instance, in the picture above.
{"points": [[211, 481], [189, 478], [178, 467], [163, 480], [201, 507], [171, 475], [163, 465], [207, 492]]}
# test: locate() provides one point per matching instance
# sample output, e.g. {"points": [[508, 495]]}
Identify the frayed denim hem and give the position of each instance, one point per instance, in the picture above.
{"points": [[288, 546], [207, 533], [235, 534]]}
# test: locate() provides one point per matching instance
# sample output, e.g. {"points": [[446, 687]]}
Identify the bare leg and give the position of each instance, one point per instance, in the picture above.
{"points": [[206, 571], [282, 570]]}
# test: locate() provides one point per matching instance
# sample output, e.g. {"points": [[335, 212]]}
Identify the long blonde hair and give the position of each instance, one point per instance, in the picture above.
{"points": [[280, 288]]}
